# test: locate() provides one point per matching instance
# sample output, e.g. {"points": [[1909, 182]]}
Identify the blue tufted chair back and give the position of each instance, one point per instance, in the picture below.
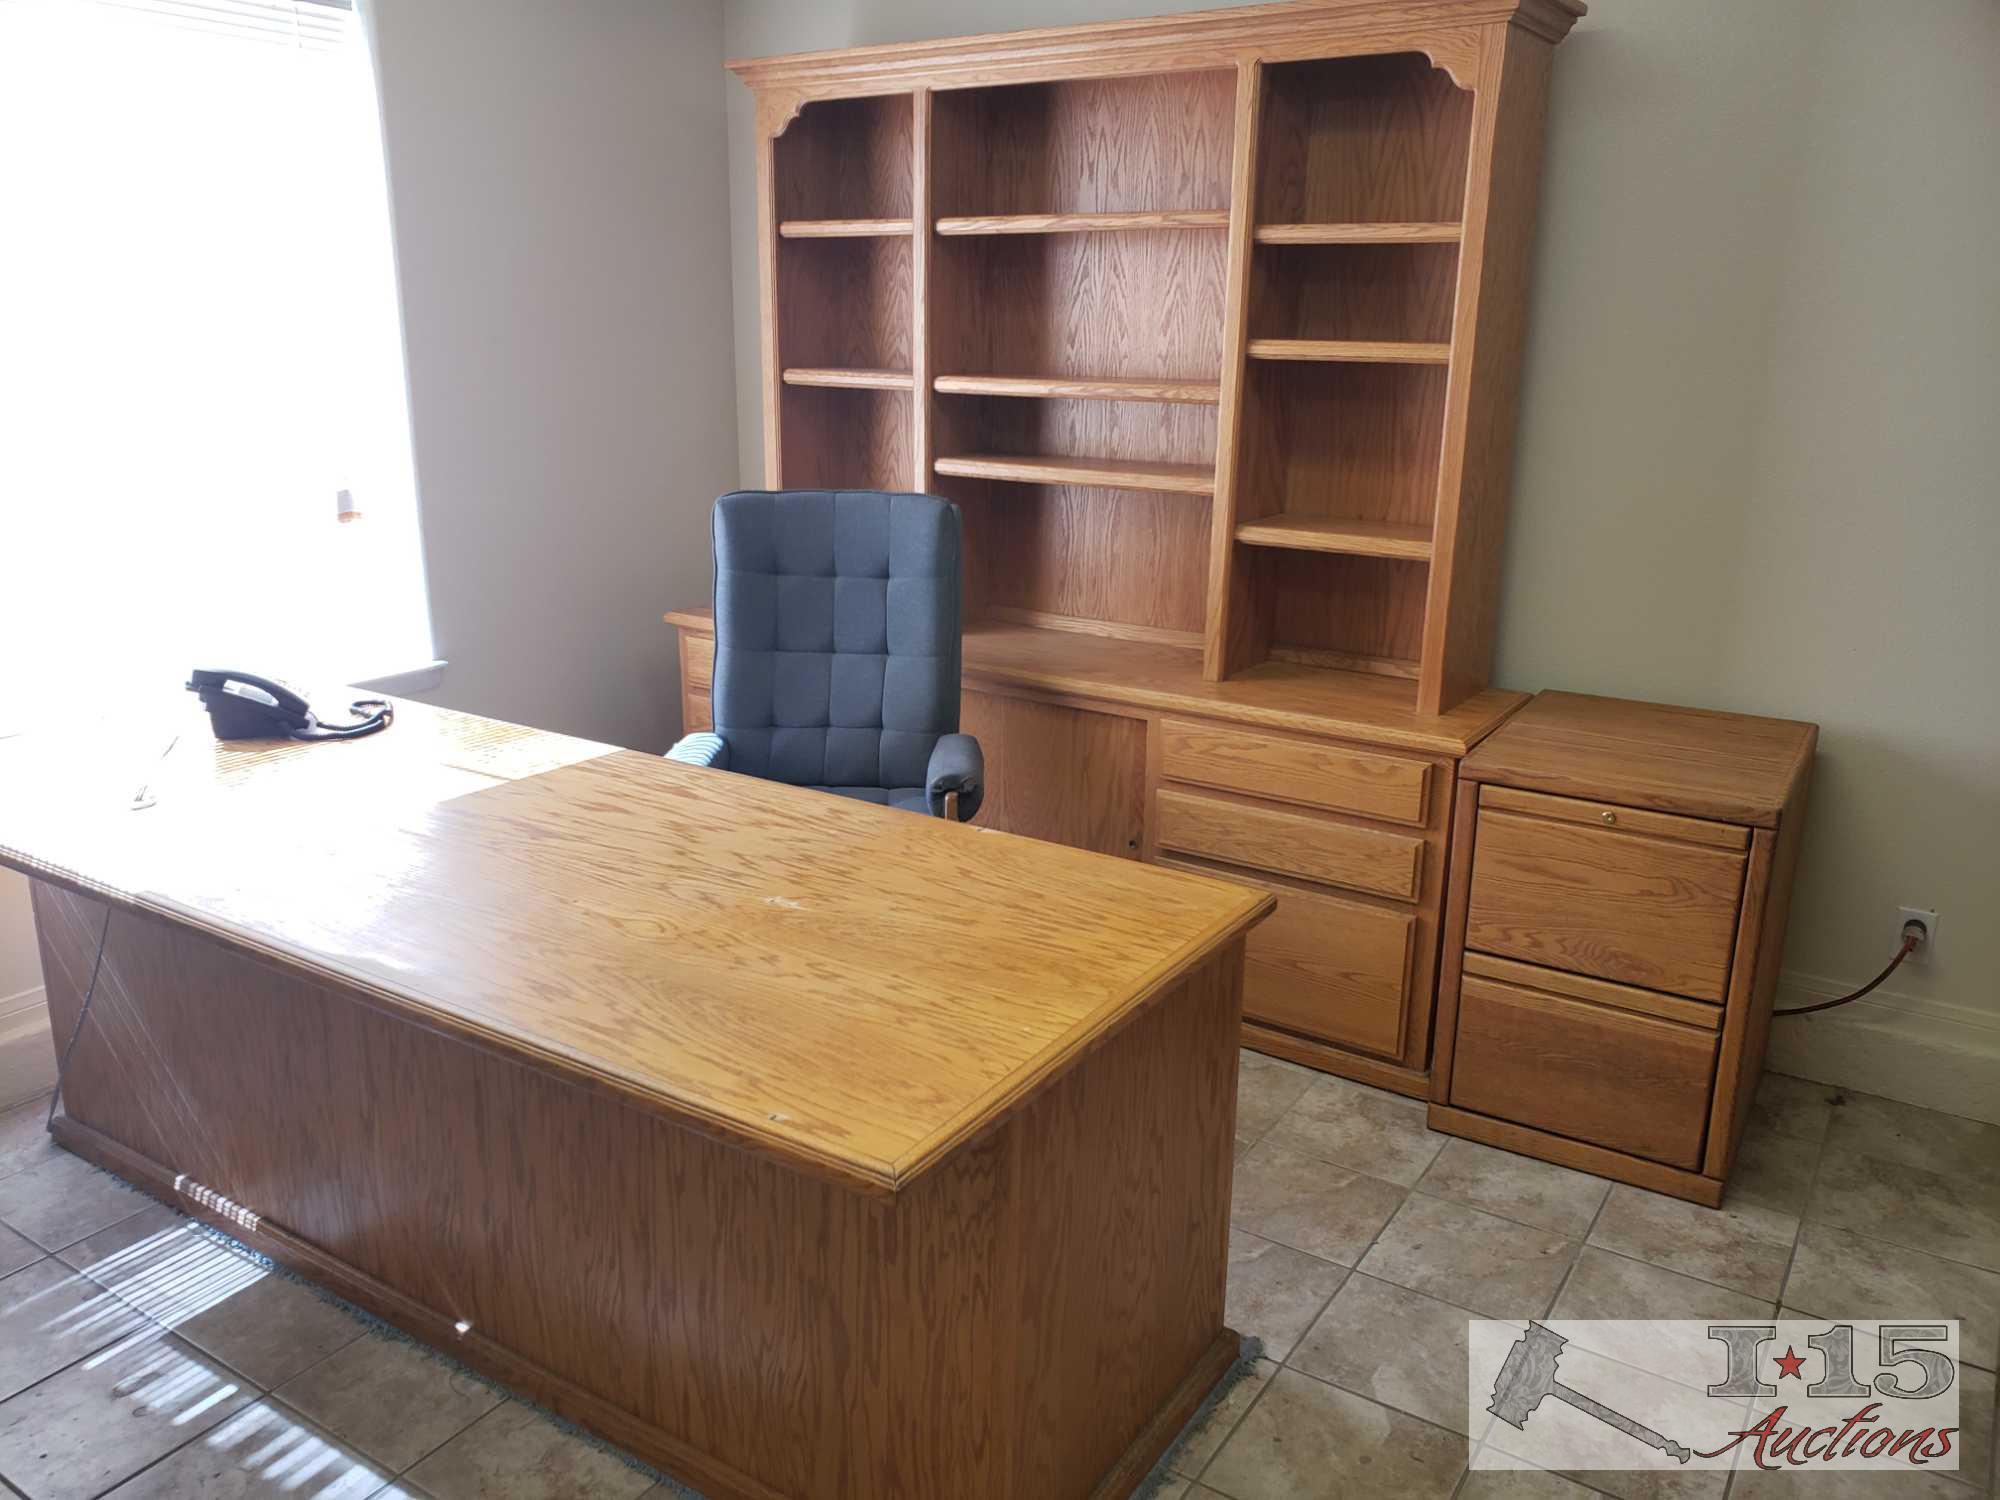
{"points": [[836, 634]]}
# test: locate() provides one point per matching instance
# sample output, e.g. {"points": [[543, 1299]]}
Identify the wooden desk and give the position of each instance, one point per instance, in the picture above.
{"points": [[803, 1148]]}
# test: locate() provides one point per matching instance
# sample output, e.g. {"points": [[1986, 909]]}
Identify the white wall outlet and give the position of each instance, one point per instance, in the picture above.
{"points": [[1927, 949]]}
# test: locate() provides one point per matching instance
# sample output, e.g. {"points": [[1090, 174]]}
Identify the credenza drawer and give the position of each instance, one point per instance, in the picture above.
{"points": [[1629, 1082], [1311, 846], [1326, 968], [1317, 772], [1594, 898]]}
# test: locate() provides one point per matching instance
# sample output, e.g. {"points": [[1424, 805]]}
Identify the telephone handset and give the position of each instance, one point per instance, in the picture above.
{"points": [[243, 706]]}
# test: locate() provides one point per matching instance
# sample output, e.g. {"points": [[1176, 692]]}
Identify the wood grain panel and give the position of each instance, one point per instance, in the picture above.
{"points": [[1355, 292], [1104, 145], [1119, 556], [846, 159], [847, 439], [1619, 906], [1310, 846], [1359, 139], [1627, 1082], [1093, 428], [1356, 441], [754, 1329], [1058, 773], [1366, 609], [844, 304], [1596, 991], [1340, 778], [1326, 968]]}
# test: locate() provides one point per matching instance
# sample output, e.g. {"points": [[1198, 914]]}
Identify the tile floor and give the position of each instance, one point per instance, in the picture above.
{"points": [[140, 1359]]}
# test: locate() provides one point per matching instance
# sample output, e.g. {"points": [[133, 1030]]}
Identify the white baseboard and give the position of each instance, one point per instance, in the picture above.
{"points": [[27, 1056], [1927, 1052]]}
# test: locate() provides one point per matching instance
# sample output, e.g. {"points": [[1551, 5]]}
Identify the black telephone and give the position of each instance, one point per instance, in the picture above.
{"points": [[243, 706]]}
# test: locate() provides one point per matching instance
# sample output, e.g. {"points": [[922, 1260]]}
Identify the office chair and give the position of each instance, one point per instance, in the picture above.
{"points": [[837, 648]]}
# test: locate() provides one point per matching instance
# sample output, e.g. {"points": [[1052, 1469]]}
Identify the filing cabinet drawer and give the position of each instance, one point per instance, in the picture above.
{"points": [[1326, 968], [1317, 772], [1596, 898], [1310, 846], [1633, 1083]]}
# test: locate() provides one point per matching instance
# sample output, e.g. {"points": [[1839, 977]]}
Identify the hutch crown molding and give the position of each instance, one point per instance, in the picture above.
{"points": [[1211, 326]]}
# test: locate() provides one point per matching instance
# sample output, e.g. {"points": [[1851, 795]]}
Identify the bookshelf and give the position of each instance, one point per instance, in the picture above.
{"points": [[1211, 325]]}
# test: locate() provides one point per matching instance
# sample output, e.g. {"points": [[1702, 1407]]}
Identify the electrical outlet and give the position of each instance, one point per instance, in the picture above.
{"points": [[1927, 949]]}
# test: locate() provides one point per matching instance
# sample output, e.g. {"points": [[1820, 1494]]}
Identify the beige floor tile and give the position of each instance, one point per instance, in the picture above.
{"points": [[146, 1225], [516, 1453], [1793, 1106], [1920, 1137], [1839, 1274], [1917, 1485], [24, 1137], [1956, 1217], [103, 1419], [1275, 1292], [1773, 1176], [16, 1252], [1395, 1346], [1206, 1436], [1310, 1204], [1307, 1440], [1743, 1249], [1976, 1422], [392, 1400], [263, 1452], [271, 1329], [1520, 1484], [1173, 1489], [63, 1198], [1604, 1285], [1495, 1267], [1265, 1088], [1516, 1187], [1367, 1130], [51, 1317]]}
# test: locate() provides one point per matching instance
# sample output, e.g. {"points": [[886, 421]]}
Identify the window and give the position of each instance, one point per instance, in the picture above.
{"points": [[200, 350]]}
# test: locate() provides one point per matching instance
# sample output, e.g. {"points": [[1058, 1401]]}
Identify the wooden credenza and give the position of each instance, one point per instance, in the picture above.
{"points": [[1338, 804]]}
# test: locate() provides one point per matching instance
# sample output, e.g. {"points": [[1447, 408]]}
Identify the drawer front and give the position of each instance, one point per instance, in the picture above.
{"points": [[1628, 1082], [1308, 845], [1631, 908], [1326, 968], [1319, 773]]}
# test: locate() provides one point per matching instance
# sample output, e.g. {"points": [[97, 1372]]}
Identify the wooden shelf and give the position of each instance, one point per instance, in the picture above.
{"points": [[1359, 234], [844, 229], [1103, 473], [1350, 351], [853, 380], [1180, 392], [1332, 534], [1084, 223]]}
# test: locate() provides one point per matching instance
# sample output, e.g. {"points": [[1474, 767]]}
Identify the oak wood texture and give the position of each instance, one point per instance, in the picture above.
{"points": [[865, 380], [1351, 351], [1697, 825], [1182, 392], [1031, 1318], [1330, 534], [1691, 761], [960, 224], [1340, 778], [837, 229], [1144, 675], [1358, 234], [1307, 845], [1179, 479], [1628, 1082], [1608, 815], [1325, 967], [783, 976], [1069, 775], [1626, 907]]}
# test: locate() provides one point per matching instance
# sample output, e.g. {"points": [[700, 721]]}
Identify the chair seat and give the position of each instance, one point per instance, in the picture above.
{"points": [[903, 798]]}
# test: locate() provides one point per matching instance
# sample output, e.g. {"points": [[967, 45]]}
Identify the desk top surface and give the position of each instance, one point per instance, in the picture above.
{"points": [[851, 989]]}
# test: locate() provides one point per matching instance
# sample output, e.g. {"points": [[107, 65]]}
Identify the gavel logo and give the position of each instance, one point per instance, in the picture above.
{"points": [[1530, 1374]]}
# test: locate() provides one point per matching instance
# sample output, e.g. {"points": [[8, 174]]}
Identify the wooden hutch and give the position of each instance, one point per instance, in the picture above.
{"points": [[1211, 325]]}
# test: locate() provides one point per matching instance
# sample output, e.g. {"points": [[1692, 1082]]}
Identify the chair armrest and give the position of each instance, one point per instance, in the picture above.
{"points": [[701, 750], [957, 765]]}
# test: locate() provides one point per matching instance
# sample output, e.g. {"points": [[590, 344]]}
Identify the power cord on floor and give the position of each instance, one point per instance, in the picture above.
{"points": [[1915, 934]]}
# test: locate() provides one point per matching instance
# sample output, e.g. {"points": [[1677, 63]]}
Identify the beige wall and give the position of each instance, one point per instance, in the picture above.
{"points": [[1759, 447], [557, 175]]}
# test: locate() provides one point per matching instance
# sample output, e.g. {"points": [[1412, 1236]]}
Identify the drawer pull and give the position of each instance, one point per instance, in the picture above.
{"points": [[1610, 817]]}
